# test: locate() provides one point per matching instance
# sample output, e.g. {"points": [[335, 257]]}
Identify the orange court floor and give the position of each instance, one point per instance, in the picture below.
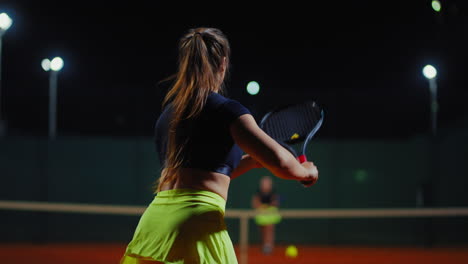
{"points": [[93, 253]]}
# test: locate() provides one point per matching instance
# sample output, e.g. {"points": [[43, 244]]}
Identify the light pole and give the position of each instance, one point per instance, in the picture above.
{"points": [[5, 24], [427, 187], [54, 66], [431, 73]]}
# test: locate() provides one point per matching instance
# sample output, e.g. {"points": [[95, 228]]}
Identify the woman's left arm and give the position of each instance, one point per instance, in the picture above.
{"points": [[247, 163]]}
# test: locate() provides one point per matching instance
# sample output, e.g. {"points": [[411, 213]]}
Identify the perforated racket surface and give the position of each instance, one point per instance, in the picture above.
{"points": [[294, 124]]}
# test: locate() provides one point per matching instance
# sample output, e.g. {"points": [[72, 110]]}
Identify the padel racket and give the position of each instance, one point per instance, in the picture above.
{"points": [[294, 125]]}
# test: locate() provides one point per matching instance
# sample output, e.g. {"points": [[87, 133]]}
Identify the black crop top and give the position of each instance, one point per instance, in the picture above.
{"points": [[209, 144], [267, 198]]}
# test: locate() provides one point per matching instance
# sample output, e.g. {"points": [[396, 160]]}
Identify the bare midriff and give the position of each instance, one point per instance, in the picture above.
{"points": [[188, 178]]}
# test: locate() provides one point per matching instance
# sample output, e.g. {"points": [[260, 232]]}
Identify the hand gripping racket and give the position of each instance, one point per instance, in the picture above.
{"points": [[294, 124]]}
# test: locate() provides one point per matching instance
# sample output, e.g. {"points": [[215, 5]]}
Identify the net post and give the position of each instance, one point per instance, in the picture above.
{"points": [[244, 238]]}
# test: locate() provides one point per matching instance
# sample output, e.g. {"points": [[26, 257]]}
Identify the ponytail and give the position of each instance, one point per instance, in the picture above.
{"points": [[202, 54]]}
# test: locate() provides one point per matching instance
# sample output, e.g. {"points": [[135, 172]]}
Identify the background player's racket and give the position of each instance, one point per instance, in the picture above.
{"points": [[292, 125]]}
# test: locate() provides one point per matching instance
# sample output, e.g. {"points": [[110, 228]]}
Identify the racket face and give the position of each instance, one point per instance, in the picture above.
{"points": [[294, 123]]}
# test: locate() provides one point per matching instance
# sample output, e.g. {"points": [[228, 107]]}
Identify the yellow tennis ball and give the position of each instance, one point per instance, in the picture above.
{"points": [[291, 251]]}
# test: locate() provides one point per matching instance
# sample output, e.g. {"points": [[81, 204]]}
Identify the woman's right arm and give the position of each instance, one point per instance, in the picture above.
{"points": [[254, 141]]}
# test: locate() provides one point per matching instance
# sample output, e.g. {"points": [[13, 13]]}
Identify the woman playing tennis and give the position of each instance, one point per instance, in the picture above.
{"points": [[200, 137], [266, 203]]}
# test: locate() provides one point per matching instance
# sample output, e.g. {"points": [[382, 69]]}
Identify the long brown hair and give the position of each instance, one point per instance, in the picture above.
{"points": [[202, 54]]}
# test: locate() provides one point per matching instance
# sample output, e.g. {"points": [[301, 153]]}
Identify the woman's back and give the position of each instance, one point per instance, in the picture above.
{"points": [[210, 154], [206, 137]]}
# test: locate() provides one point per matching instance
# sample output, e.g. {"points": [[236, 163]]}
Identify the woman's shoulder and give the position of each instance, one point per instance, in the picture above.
{"points": [[217, 99], [228, 106]]}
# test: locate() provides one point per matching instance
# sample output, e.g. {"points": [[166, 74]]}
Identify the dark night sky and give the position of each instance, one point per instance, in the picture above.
{"points": [[361, 60]]}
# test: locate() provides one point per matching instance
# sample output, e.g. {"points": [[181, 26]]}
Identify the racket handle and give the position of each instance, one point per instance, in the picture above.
{"points": [[302, 158]]}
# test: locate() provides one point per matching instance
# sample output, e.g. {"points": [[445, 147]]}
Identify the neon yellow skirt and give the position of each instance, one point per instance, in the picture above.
{"points": [[182, 226], [267, 215]]}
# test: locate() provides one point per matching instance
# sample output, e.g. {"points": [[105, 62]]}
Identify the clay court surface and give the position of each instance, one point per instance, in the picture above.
{"points": [[110, 253]]}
